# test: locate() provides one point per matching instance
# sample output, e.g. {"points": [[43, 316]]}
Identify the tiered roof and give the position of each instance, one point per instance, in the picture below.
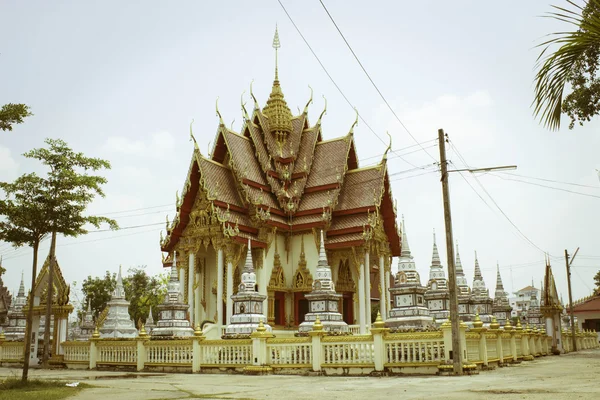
{"points": [[279, 172]]}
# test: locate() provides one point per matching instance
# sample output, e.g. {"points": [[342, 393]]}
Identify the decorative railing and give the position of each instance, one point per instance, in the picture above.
{"points": [[226, 352], [289, 352], [76, 352], [117, 352], [348, 350], [172, 352], [380, 350], [11, 351], [414, 347], [473, 347]]}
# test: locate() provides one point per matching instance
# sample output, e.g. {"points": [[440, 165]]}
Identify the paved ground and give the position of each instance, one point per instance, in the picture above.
{"points": [[571, 376]]}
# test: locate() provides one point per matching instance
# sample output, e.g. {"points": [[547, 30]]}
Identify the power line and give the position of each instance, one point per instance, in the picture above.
{"points": [[333, 81], [136, 209], [494, 201], [550, 180], [546, 186], [369, 76], [86, 241]]}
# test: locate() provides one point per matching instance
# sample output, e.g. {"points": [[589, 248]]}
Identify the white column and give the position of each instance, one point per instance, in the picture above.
{"points": [[361, 300], [367, 289], [263, 279], [229, 291], [190, 276], [197, 298], [387, 288], [181, 274], [382, 296], [62, 334], [220, 287]]}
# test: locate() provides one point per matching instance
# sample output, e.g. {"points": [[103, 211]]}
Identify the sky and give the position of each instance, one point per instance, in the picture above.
{"points": [[123, 81]]}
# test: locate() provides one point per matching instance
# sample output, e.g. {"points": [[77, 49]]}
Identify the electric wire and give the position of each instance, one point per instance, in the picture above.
{"points": [[369, 77], [333, 81]]}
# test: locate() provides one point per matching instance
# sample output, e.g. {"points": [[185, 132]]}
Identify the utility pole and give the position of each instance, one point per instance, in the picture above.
{"points": [[570, 295], [457, 352], [454, 321]]}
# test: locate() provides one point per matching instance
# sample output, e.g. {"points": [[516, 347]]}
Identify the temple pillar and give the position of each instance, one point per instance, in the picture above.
{"points": [[197, 298], [387, 288], [190, 279], [382, 291], [181, 272], [263, 282], [229, 303], [367, 290], [361, 299], [220, 262]]}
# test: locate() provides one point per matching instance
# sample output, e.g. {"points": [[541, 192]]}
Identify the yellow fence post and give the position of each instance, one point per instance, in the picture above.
{"points": [[196, 353], [378, 332]]}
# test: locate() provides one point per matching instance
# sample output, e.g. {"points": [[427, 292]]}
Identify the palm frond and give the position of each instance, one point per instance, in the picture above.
{"points": [[555, 68]]}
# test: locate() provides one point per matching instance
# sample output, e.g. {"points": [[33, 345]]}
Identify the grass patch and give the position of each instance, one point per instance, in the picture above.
{"points": [[36, 389]]}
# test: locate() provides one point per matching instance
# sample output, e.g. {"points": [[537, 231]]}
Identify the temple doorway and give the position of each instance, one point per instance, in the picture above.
{"points": [[345, 286], [300, 307], [279, 309]]}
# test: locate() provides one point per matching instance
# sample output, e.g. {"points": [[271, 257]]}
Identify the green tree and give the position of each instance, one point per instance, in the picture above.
{"points": [[98, 291], [575, 62], [69, 189], [25, 223], [144, 291], [597, 280], [11, 114]]}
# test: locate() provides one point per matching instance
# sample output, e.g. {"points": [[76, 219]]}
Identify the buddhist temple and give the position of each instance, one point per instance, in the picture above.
{"points": [[278, 182], [408, 295], [118, 323], [437, 295], [501, 306], [16, 317], [480, 296]]}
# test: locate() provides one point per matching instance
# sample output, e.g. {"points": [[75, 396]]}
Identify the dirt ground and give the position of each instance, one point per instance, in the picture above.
{"points": [[570, 376]]}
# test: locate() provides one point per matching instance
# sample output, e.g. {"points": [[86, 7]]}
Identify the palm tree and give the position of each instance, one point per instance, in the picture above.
{"points": [[578, 50]]}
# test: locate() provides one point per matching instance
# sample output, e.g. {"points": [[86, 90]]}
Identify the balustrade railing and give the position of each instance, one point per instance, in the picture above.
{"points": [[412, 348], [117, 352], [348, 350], [172, 352], [236, 352], [76, 352], [377, 351], [289, 352]]}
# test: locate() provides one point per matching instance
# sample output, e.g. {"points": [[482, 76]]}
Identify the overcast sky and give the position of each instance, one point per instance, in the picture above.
{"points": [[122, 81]]}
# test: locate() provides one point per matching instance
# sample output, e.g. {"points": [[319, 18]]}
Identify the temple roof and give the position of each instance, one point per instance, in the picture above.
{"points": [[284, 175]]}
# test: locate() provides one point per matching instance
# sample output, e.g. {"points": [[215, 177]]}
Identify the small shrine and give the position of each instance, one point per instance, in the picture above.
{"points": [[534, 314], [437, 295], [60, 310], [172, 314], [480, 296], [16, 318], [5, 299], [465, 305], [247, 303], [501, 306], [149, 325], [86, 325], [408, 295], [552, 309], [323, 300], [118, 323]]}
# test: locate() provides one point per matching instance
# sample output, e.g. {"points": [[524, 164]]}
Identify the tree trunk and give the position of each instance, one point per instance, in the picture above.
{"points": [[47, 327], [29, 323]]}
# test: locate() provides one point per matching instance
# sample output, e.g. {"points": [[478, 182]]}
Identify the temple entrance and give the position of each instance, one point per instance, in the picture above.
{"points": [[345, 286], [300, 307], [348, 308], [279, 309]]}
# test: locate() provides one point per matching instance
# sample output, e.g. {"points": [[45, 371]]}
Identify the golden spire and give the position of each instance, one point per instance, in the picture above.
{"points": [[277, 110]]}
